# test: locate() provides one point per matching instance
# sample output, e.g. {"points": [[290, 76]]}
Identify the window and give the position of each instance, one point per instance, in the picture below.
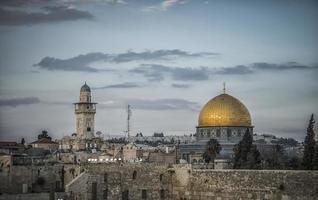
{"points": [[88, 128], [218, 132], [106, 178], [143, 194], [162, 194], [94, 191], [239, 133], [125, 195], [134, 175], [229, 132], [161, 177], [105, 194]]}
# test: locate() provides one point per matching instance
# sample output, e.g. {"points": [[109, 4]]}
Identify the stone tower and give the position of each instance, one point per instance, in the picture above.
{"points": [[85, 111]]}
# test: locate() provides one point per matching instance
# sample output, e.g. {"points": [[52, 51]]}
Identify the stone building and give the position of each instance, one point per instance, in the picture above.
{"points": [[46, 144], [84, 138], [85, 111], [224, 118]]}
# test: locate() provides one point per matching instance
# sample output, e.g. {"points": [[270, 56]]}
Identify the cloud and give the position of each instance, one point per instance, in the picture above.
{"points": [[280, 67], [54, 14], [164, 104], [78, 63], [39, 3], [163, 6], [120, 86], [239, 69], [83, 62], [177, 85], [263, 66], [156, 72], [19, 101]]}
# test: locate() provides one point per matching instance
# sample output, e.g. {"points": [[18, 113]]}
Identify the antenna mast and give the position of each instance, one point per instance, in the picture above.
{"points": [[128, 120]]}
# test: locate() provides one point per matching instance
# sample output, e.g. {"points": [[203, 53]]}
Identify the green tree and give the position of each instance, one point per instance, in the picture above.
{"points": [[276, 159], [293, 163], [212, 149], [315, 160], [246, 155], [23, 141], [44, 134], [309, 145]]}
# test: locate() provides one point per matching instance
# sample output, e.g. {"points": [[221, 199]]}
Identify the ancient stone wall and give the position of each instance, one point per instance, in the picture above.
{"points": [[148, 181], [244, 184], [23, 179]]}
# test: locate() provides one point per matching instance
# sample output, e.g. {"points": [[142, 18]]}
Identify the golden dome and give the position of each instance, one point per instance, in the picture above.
{"points": [[224, 110]]}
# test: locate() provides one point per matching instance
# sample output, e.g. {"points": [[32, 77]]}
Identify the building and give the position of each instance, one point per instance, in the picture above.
{"points": [[11, 147], [224, 118], [84, 138], [85, 111], [46, 144]]}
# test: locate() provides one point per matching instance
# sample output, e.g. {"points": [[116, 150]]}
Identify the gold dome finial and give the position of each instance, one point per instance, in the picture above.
{"points": [[224, 88]]}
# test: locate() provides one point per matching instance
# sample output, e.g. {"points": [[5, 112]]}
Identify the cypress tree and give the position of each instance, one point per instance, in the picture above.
{"points": [[212, 149], [309, 145], [246, 155]]}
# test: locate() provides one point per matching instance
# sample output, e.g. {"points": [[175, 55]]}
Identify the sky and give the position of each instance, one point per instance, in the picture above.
{"points": [[166, 58]]}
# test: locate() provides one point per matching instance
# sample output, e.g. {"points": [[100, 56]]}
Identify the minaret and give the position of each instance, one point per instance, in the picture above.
{"points": [[85, 111]]}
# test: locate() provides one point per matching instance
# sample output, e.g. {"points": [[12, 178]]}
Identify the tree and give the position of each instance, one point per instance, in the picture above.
{"points": [[246, 155], [315, 160], [44, 134], [212, 149], [23, 141], [309, 145], [276, 159], [293, 163]]}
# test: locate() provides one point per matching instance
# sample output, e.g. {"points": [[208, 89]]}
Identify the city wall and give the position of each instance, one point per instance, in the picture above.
{"points": [[149, 181]]}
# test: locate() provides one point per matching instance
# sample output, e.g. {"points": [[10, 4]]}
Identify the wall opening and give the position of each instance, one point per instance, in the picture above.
{"points": [[143, 194], [134, 175]]}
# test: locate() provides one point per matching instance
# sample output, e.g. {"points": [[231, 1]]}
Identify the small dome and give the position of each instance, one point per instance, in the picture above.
{"points": [[85, 88], [224, 110]]}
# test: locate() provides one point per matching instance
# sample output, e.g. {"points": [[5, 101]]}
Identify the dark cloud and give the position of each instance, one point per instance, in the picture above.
{"points": [[262, 66], [52, 14], [78, 63], [279, 67], [120, 86], [239, 69], [155, 72], [163, 104], [157, 55], [83, 62], [177, 85], [19, 101]]}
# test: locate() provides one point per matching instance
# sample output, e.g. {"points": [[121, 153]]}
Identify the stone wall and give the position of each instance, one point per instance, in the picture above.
{"points": [[23, 179], [152, 181], [148, 181], [245, 184]]}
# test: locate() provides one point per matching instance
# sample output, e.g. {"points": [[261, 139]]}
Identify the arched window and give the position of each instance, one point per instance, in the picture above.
{"points": [[229, 132], [161, 177], [218, 132], [134, 175], [239, 133]]}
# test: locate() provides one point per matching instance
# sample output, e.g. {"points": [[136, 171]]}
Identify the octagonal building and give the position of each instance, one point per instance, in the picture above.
{"points": [[224, 118]]}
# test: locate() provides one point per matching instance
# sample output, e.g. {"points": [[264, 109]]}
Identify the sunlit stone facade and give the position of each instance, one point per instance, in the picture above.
{"points": [[85, 111]]}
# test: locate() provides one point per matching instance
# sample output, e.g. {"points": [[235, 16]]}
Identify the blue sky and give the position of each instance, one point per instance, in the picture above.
{"points": [[166, 58]]}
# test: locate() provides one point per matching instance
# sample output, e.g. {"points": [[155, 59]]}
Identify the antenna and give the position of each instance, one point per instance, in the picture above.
{"points": [[128, 120], [224, 90]]}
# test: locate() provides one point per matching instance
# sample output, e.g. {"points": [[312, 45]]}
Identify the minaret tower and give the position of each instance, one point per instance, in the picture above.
{"points": [[85, 111]]}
